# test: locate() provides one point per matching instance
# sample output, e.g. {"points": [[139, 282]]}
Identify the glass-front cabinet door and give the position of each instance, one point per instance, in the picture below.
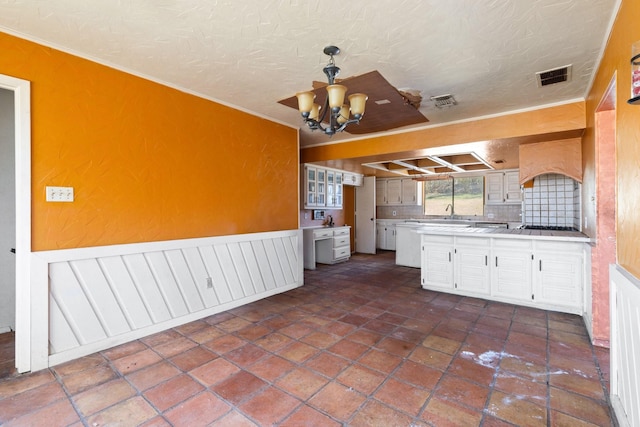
{"points": [[310, 199], [321, 188], [338, 190], [331, 200]]}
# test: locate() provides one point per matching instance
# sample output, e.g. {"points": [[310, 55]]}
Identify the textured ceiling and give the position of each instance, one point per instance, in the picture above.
{"points": [[484, 52]]}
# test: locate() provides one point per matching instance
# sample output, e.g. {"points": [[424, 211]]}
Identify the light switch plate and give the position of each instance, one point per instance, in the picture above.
{"points": [[59, 194]]}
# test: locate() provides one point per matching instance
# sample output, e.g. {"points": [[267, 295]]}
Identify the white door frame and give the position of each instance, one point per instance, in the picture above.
{"points": [[22, 103]]}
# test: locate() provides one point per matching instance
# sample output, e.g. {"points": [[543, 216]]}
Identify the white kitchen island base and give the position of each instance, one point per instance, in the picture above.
{"points": [[536, 269]]}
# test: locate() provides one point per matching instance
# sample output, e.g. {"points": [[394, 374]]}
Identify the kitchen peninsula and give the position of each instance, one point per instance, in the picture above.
{"points": [[545, 269]]}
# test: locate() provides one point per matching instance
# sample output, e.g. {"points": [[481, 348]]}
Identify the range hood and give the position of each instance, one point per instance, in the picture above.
{"points": [[562, 156]]}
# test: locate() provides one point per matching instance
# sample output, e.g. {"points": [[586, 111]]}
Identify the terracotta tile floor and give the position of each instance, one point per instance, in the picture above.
{"points": [[360, 345]]}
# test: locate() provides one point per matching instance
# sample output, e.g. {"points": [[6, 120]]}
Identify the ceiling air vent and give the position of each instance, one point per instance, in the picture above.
{"points": [[556, 75], [442, 101]]}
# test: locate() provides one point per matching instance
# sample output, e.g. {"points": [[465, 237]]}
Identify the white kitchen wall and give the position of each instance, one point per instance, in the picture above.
{"points": [[553, 201]]}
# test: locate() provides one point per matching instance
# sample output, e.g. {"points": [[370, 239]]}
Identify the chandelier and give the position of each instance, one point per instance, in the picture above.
{"points": [[340, 114]]}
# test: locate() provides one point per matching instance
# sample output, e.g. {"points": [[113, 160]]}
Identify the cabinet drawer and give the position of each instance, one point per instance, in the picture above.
{"points": [[473, 241], [318, 234], [433, 238], [523, 244], [340, 241], [554, 246], [343, 252], [341, 232]]}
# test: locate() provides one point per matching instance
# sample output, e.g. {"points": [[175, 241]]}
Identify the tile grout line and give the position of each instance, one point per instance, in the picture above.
{"points": [[605, 390], [494, 379], [446, 370]]}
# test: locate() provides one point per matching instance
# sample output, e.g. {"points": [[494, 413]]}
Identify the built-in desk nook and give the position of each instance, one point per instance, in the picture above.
{"points": [[325, 245]]}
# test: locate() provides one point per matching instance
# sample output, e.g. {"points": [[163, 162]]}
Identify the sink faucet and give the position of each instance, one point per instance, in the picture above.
{"points": [[447, 209]]}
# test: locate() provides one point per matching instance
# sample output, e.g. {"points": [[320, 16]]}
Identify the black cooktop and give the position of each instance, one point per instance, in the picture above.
{"points": [[549, 227]]}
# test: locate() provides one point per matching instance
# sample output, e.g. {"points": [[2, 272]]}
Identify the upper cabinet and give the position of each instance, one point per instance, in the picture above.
{"points": [[398, 191], [334, 189], [351, 178], [310, 181], [502, 187], [323, 187]]}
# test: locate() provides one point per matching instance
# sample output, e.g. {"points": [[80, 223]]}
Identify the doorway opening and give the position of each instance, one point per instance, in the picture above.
{"points": [[16, 140], [603, 253], [7, 234]]}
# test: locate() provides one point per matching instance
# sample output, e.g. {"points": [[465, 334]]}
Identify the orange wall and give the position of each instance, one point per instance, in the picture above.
{"points": [[147, 162], [615, 64]]}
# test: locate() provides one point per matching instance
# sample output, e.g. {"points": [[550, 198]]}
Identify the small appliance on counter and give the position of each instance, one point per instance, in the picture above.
{"points": [[329, 221]]}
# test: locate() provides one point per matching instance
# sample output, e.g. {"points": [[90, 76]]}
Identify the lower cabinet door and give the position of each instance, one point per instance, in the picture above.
{"points": [[437, 266], [472, 272], [558, 279], [511, 274]]}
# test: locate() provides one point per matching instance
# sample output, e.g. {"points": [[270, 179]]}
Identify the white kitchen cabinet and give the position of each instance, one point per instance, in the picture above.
{"points": [[386, 236], [337, 193], [315, 184], [457, 264], [411, 192], [381, 192], [437, 262], [558, 274], [331, 186], [511, 269], [502, 188], [335, 249], [398, 191], [323, 187], [512, 188], [351, 178], [388, 192], [471, 271], [394, 191], [511, 274], [540, 273], [310, 186], [341, 244], [334, 189]]}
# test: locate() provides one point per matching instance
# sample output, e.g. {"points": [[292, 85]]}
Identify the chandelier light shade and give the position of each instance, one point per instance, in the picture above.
{"points": [[340, 115], [336, 95]]}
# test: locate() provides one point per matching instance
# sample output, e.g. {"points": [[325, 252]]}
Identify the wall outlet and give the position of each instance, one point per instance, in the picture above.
{"points": [[393, 213], [209, 283], [59, 194]]}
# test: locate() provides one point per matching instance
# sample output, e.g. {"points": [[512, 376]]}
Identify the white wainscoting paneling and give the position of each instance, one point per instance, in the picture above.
{"points": [[104, 296], [625, 346]]}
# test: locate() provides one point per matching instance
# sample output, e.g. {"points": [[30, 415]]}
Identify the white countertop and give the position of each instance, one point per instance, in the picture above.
{"points": [[507, 233], [433, 224], [317, 227]]}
